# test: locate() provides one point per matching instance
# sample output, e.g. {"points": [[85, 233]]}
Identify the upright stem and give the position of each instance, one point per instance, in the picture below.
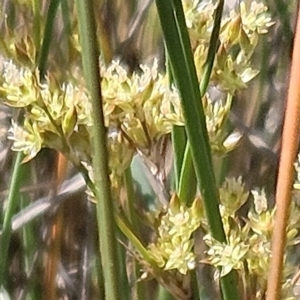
{"points": [[105, 214], [13, 200], [43, 58], [184, 72]]}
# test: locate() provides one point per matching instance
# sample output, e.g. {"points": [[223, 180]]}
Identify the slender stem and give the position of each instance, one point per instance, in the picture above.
{"points": [[213, 45], [13, 200], [105, 213], [67, 25], [130, 196], [181, 58], [290, 141], [179, 145], [47, 38], [53, 255], [187, 184], [195, 285], [139, 286], [179, 138]]}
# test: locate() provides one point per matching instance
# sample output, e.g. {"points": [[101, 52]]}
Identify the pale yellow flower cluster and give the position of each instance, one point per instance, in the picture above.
{"points": [[228, 256], [139, 109], [55, 116], [239, 35], [216, 115], [141, 105], [173, 249], [255, 18], [248, 247], [233, 196], [199, 16]]}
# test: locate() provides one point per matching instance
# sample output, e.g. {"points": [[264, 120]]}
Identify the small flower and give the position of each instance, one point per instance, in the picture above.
{"points": [[173, 249], [260, 200], [20, 87], [199, 19], [261, 220], [258, 257], [255, 18], [141, 104], [232, 141], [26, 139], [233, 195], [216, 114], [180, 256], [227, 256], [232, 74]]}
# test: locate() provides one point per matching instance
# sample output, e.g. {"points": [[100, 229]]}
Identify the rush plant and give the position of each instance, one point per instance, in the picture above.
{"points": [[101, 112]]}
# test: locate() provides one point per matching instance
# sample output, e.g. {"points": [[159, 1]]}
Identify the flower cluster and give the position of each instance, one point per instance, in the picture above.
{"points": [[141, 105], [230, 255], [248, 246], [255, 18], [174, 246], [216, 122], [232, 196], [199, 18], [239, 35], [54, 116]]}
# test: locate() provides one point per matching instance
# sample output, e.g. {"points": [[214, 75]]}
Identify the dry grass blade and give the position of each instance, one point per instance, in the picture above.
{"points": [[290, 139]]}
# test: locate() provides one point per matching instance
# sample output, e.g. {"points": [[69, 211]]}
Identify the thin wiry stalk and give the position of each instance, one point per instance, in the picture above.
{"points": [[132, 218], [47, 38], [12, 203], [105, 213]]}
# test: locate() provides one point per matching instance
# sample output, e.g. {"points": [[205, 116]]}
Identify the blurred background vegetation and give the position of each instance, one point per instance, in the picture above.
{"points": [[53, 253]]}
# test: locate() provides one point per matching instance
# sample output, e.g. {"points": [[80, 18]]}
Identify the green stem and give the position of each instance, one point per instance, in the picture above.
{"points": [[121, 224], [130, 196], [105, 210], [47, 38], [196, 288], [13, 200], [67, 25], [138, 286], [213, 45], [179, 144], [181, 58], [179, 138], [187, 174], [187, 184]]}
